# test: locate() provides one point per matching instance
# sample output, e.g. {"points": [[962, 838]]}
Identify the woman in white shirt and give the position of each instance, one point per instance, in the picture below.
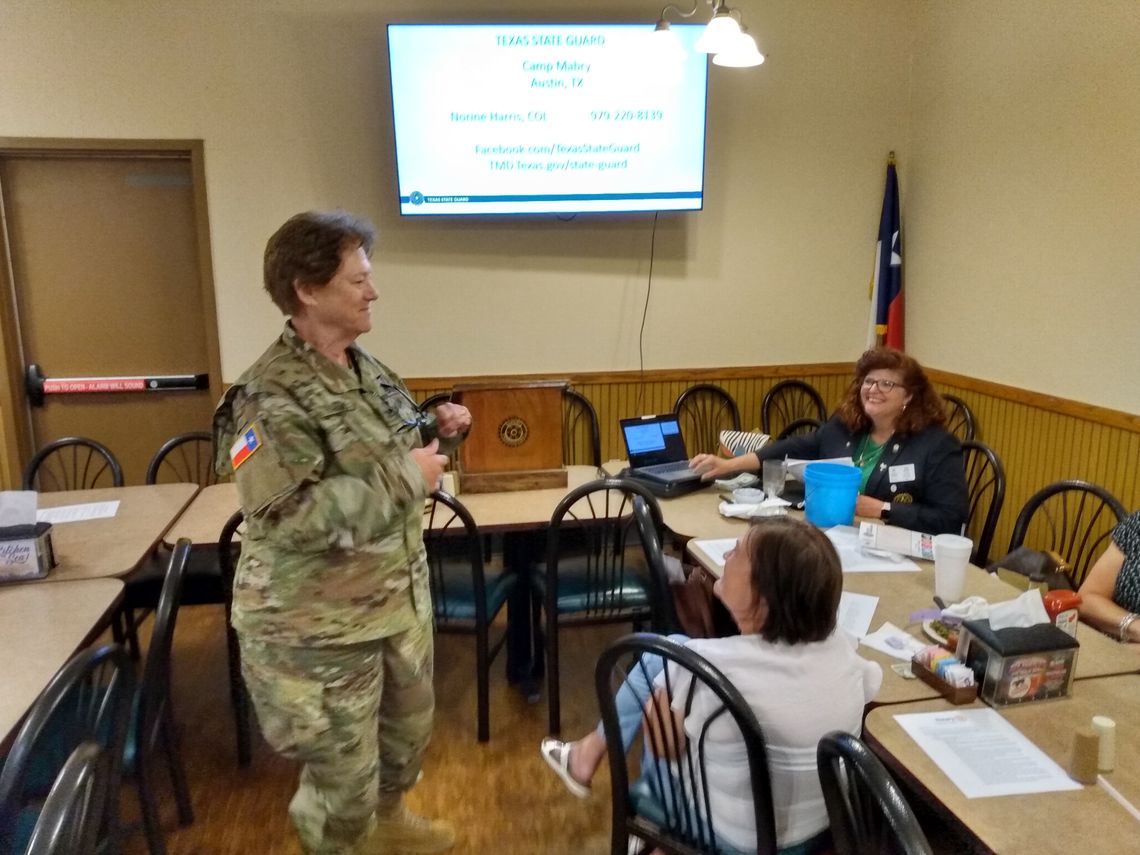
{"points": [[799, 673]]}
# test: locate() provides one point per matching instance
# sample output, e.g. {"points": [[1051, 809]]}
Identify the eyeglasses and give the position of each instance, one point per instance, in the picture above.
{"points": [[884, 385], [408, 410]]}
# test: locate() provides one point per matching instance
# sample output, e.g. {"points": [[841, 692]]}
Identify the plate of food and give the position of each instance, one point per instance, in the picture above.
{"points": [[942, 633]]}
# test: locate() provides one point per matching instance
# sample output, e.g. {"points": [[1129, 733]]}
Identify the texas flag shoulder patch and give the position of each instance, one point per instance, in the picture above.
{"points": [[248, 442]]}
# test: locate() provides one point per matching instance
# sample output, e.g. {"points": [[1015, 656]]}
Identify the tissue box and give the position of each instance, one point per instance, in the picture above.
{"points": [[25, 552], [1018, 665]]}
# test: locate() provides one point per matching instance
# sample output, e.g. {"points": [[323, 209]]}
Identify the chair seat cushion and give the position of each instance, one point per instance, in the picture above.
{"points": [[202, 584], [647, 804], [26, 821], [62, 733], [455, 598], [579, 590]]}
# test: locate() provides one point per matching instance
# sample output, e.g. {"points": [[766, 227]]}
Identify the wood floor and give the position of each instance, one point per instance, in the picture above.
{"points": [[500, 795]]}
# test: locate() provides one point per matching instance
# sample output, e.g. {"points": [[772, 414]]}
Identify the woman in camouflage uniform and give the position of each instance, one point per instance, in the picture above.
{"points": [[332, 462]]}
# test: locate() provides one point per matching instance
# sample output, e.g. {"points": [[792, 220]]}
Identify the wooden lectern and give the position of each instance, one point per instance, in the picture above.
{"points": [[516, 437]]}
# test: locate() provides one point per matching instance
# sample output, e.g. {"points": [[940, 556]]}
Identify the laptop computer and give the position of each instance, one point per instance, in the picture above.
{"points": [[657, 455]]}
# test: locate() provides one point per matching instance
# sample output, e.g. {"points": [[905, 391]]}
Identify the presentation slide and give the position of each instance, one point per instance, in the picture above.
{"points": [[504, 119]]}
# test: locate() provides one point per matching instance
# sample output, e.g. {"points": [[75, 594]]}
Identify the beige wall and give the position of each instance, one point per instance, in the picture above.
{"points": [[1016, 124], [1023, 195], [291, 99]]}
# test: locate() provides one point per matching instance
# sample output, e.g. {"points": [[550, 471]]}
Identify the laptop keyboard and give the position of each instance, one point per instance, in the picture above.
{"points": [[666, 468]]}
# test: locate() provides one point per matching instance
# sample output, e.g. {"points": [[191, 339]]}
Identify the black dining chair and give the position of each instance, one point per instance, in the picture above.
{"points": [[867, 810], [185, 458], [959, 418], [229, 550], [796, 427], [985, 486], [788, 401], [72, 815], [153, 728], [704, 410], [581, 439], [466, 599], [1072, 518], [649, 532], [89, 699], [672, 811], [599, 574], [72, 463]]}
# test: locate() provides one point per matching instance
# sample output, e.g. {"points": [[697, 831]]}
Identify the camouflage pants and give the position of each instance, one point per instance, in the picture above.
{"points": [[358, 717]]}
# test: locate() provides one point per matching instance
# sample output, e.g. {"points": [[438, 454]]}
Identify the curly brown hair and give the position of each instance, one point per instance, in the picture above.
{"points": [[924, 409], [307, 250], [796, 569]]}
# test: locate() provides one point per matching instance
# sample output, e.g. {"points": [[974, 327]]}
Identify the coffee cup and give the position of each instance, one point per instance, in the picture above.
{"points": [[951, 558]]}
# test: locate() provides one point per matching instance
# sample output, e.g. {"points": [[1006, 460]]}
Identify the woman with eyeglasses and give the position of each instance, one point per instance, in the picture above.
{"points": [[890, 423]]}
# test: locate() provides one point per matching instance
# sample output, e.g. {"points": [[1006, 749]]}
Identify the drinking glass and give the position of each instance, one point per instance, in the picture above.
{"points": [[775, 472]]}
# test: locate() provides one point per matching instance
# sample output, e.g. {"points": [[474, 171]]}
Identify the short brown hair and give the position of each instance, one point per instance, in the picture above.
{"points": [[924, 409], [796, 569], [307, 250]]}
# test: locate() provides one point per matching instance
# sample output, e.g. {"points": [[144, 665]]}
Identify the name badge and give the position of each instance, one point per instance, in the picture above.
{"points": [[898, 474]]}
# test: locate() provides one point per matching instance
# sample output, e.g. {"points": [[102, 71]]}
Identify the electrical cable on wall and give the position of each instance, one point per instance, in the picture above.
{"points": [[645, 314]]}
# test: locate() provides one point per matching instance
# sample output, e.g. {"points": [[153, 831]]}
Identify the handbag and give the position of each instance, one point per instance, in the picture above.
{"points": [[1027, 568], [699, 613]]}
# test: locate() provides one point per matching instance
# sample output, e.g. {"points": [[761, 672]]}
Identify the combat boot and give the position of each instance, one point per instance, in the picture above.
{"points": [[400, 832]]}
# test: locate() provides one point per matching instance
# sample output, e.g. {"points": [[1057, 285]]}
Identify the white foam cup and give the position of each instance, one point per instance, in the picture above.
{"points": [[951, 557]]}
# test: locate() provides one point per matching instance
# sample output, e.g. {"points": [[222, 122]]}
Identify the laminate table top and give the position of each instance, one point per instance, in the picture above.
{"points": [[900, 594], [113, 546], [41, 627], [1087, 820], [203, 520]]}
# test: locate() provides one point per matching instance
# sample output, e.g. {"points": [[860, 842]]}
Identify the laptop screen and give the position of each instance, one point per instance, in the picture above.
{"points": [[653, 439]]}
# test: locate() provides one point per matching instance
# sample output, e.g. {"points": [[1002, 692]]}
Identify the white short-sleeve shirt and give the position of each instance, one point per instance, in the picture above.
{"points": [[798, 693]]}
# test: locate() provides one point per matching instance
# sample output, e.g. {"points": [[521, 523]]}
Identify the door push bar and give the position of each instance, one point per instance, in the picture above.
{"points": [[38, 385]]}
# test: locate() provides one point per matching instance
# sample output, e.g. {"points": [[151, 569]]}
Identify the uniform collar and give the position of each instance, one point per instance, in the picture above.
{"points": [[336, 378]]}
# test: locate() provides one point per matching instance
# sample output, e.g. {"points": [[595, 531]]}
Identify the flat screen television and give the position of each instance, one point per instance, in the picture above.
{"points": [[547, 118]]}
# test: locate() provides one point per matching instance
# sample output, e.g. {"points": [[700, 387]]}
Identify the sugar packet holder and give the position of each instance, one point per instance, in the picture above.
{"points": [[955, 694]]}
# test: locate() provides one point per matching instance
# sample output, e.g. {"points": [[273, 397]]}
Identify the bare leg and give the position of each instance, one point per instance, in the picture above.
{"points": [[586, 756]]}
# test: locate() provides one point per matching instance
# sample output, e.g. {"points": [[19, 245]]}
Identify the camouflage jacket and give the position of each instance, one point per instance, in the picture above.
{"points": [[333, 546]]}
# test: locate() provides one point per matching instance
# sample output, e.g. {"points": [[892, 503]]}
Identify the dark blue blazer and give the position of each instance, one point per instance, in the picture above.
{"points": [[935, 501]]}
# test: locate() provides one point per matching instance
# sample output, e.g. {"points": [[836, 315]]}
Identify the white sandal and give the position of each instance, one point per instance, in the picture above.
{"points": [[556, 753]]}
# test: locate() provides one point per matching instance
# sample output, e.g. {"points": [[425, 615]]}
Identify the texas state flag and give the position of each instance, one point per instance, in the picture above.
{"points": [[244, 446], [886, 326]]}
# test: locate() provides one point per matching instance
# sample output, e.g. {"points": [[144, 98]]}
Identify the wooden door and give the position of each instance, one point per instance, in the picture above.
{"points": [[108, 281]]}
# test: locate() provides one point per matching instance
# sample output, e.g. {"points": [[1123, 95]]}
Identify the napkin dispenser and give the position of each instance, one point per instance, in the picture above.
{"points": [[1018, 664], [25, 552]]}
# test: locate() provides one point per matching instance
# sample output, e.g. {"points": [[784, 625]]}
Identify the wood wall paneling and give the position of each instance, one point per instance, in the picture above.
{"points": [[1039, 438]]}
